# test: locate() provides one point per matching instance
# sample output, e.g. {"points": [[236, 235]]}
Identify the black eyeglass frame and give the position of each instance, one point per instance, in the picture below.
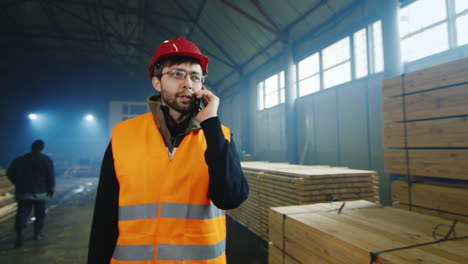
{"points": [[171, 72]]}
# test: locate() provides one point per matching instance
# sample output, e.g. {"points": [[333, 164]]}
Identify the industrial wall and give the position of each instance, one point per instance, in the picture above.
{"points": [[339, 126]]}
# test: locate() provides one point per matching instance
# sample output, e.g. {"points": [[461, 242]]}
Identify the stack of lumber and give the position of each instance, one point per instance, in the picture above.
{"points": [[361, 232], [426, 139], [280, 184], [7, 200]]}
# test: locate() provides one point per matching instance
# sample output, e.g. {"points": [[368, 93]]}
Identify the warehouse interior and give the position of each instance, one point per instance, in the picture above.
{"points": [[354, 90]]}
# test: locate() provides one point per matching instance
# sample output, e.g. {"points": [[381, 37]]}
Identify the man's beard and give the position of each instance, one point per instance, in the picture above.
{"points": [[171, 101]]}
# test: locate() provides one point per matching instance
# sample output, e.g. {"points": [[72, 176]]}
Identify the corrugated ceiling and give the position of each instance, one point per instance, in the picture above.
{"points": [[238, 36]]}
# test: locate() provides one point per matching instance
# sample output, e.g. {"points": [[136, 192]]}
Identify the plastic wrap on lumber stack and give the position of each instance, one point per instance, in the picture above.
{"points": [[280, 184], [361, 232], [425, 138], [7, 200]]}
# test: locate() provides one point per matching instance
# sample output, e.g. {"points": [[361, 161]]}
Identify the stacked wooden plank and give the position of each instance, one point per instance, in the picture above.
{"points": [[7, 200], [363, 232], [426, 139], [279, 184]]}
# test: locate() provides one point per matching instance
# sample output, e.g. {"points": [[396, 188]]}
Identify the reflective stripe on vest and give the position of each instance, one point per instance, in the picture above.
{"points": [[169, 252], [190, 211], [137, 212], [169, 210], [133, 253]]}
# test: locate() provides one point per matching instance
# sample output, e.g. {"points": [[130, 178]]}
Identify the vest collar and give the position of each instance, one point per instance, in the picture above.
{"points": [[154, 104]]}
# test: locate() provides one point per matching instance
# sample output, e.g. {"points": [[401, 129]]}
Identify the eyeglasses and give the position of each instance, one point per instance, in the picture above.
{"points": [[181, 75]]}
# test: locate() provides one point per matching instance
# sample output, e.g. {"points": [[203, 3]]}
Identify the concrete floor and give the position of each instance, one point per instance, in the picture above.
{"points": [[68, 224]]}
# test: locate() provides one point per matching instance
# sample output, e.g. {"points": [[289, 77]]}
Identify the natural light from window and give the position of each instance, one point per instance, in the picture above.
{"points": [[261, 96], [462, 30], [360, 53], [428, 42], [336, 63], [282, 87], [271, 91], [377, 40], [423, 29], [309, 75], [421, 14], [461, 5]]}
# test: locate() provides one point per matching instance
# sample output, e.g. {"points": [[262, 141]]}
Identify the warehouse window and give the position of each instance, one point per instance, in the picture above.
{"points": [[132, 109], [423, 29], [309, 74], [332, 65], [377, 43], [461, 9], [282, 86], [461, 5], [271, 91], [261, 97], [462, 30], [336, 63], [360, 53]]}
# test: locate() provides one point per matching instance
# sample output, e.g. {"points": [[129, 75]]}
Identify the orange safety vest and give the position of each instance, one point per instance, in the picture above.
{"points": [[165, 214]]}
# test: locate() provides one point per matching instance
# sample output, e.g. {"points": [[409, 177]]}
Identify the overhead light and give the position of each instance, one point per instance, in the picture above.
{"points": [[32, 116], [89, 117]]}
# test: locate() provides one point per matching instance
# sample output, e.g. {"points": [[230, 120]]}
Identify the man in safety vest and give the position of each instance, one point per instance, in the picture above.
{"points": [[168, 175]]}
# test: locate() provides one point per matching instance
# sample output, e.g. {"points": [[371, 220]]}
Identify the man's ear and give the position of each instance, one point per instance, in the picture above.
{"points": [[156, 83]]}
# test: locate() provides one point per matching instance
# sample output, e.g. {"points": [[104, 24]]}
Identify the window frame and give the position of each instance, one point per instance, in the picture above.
{"points": [[279, 90]]}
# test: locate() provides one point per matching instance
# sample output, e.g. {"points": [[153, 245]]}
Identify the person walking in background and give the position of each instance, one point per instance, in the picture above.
{"points": [[168, 175], [34, 180]]}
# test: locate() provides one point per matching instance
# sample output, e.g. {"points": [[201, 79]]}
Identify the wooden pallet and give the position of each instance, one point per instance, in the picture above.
{"points": [[280, 184], [435, 133], [7, 202], [7, 211], [425, 136], [450, 201], [430, 104], [322, 235]]}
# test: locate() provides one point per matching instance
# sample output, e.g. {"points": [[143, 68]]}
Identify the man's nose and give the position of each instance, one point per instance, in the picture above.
{"points": [[188, 83]]}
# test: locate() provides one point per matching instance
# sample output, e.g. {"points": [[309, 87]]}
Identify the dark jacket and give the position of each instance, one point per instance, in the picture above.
{"points": [[32, 173]]}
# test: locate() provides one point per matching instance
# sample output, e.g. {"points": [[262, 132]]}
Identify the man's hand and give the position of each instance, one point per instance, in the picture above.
{"points": [[211, 103]]}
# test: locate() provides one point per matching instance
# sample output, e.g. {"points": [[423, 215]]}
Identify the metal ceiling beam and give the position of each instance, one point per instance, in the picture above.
{"points": [[124, 40], [92, 26], [90, 16], [263, 50], [253, 19], [44, 35], [197, 17], [329, 24], [129, 9], [132, 31], [223, 51], [339, 15], [106, 46], [308, 12], [265, 15], [53, 21], [144, 6]]}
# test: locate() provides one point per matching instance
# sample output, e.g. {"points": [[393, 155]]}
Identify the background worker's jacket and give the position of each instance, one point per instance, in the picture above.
{"points": [[33, 176], [222, 186]]}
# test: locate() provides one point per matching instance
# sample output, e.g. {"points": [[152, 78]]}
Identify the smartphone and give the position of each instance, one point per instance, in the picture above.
{"points": [[197, 106]]}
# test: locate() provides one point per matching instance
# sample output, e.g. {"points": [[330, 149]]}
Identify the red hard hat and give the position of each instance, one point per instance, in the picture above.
{"points": [[178, 47]]}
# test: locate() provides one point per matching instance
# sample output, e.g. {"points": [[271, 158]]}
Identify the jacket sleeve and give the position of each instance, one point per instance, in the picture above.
{"points": [[228, 187], [50, 176], [104, 230], [12, 171]]}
